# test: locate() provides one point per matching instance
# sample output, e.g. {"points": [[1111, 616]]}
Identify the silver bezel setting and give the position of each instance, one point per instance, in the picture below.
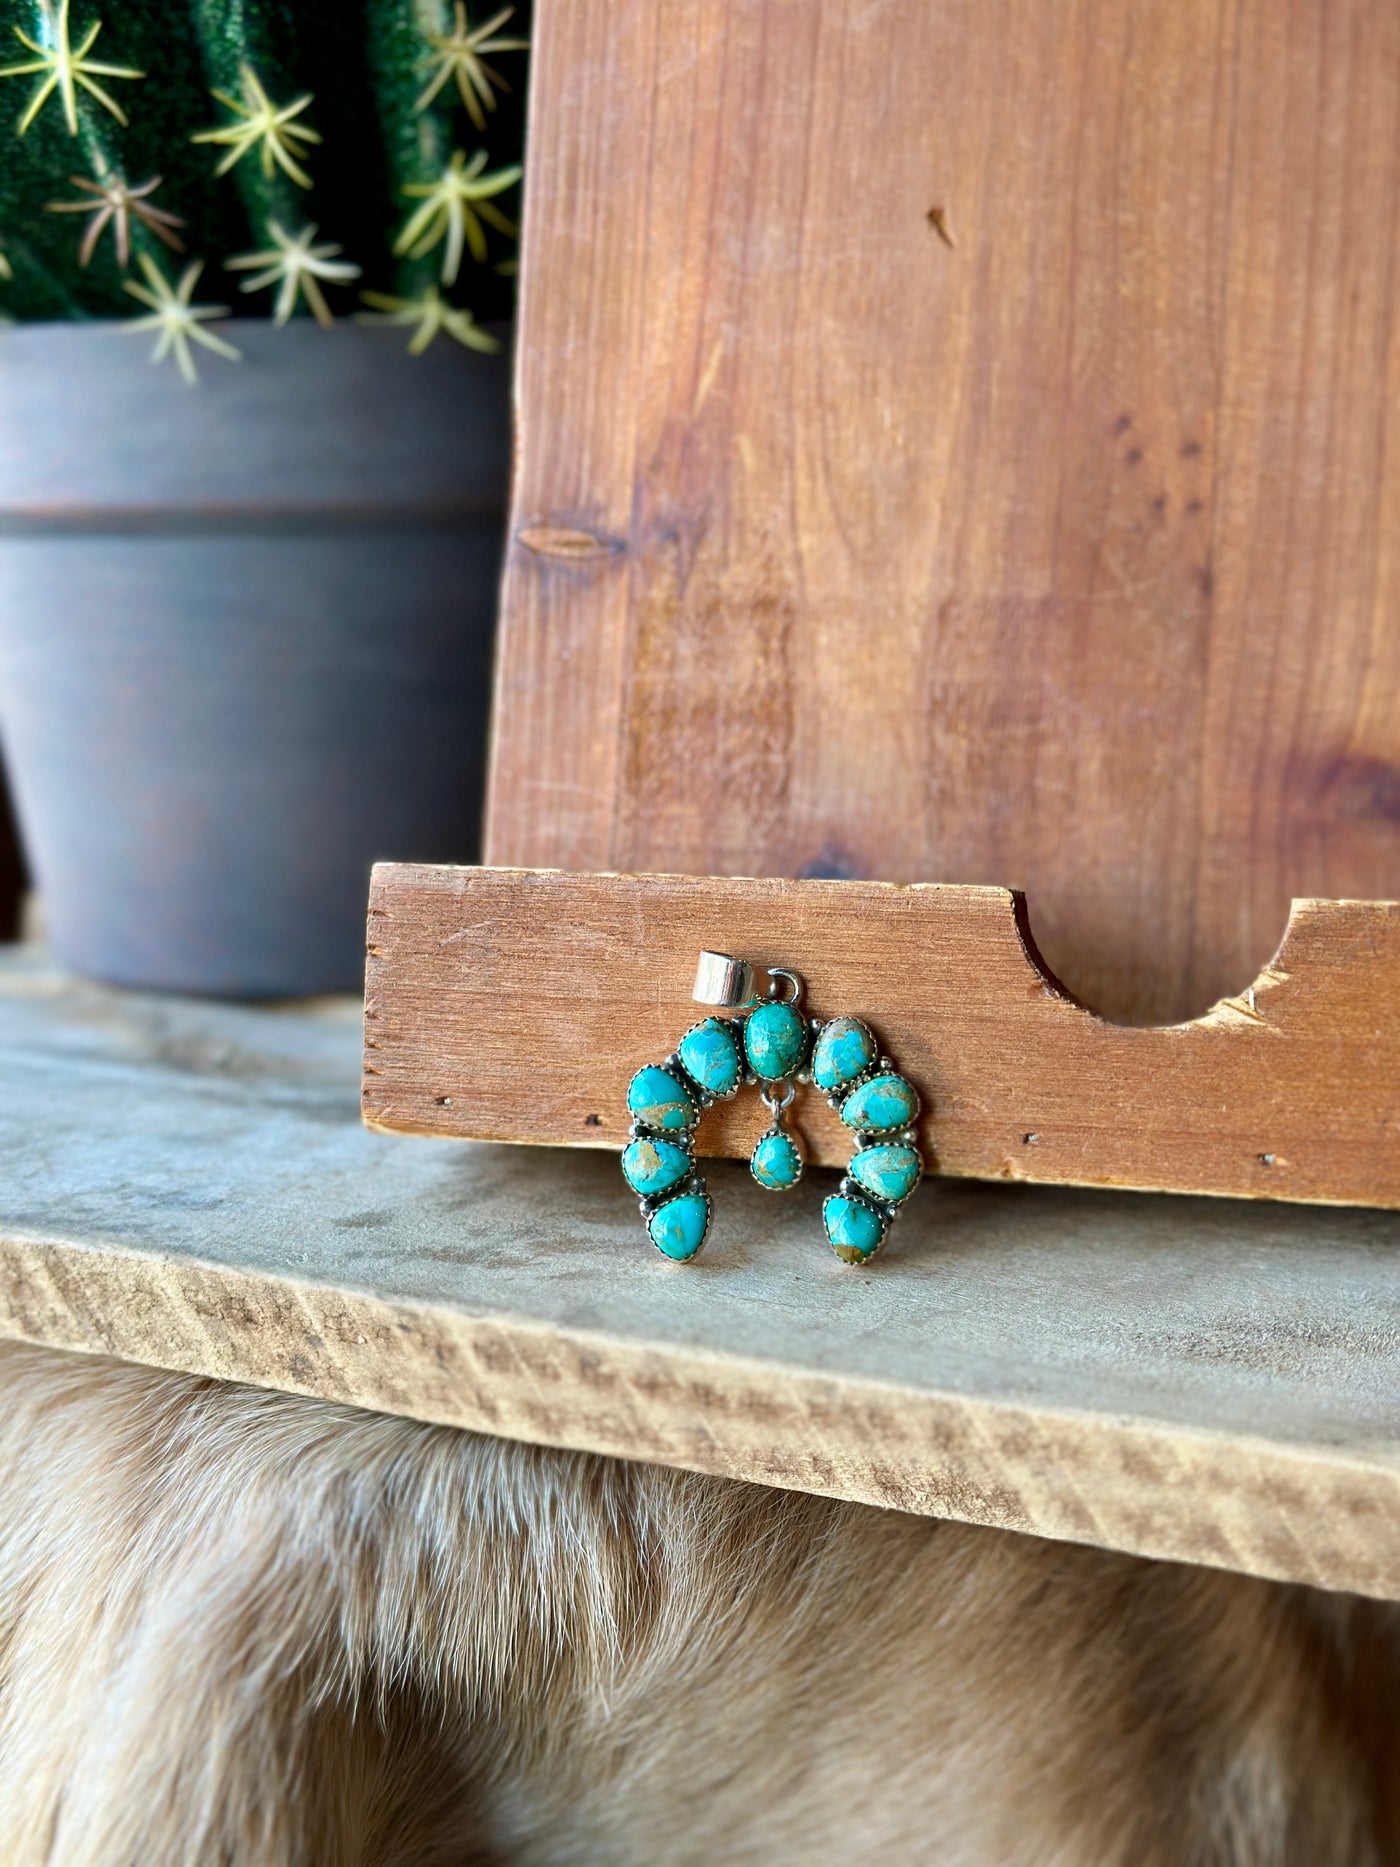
{"points": [[686, 1143], [850, 1191], [891, 1206], [735, 1028], [773, 1132], [697, 1098], [835, 1097], [883, 1066], [693, 1184], [750, 1073]]}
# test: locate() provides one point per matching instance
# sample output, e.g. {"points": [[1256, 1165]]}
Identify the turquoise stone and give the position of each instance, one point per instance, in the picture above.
{"points": [[678, 1228], [711, 1056], [651, 1165], [775, 1038], [657, 1099], [776, 1162], [845, 1050], [882, 1105], [890, 1173], [856, 1230]]}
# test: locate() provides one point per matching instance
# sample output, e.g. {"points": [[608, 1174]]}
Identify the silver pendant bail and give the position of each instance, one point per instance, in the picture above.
{"points": [[722, 980]]}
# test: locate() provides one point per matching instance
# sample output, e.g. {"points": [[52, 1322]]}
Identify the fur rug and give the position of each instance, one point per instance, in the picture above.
{"points": [[238, 1627]]}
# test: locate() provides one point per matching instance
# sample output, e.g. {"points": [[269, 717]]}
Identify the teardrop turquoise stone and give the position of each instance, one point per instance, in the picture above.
{"points": [[659, 1100], [856, 1230], [891, 1172], [776, 1162], [678, 1228], [845, 1050], [880, 1106], [651, 1165], [775, 1039], [711, 1056]]}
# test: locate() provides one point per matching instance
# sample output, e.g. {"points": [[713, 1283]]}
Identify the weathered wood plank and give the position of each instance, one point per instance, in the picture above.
{"points": [[514, 1005], [187, 1185], [1059, 558]]}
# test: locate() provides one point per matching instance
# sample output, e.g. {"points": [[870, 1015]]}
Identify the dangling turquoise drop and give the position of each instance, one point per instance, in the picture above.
{"points": [[776, 1162]]}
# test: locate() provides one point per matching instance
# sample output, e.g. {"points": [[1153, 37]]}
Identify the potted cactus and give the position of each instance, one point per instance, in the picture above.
{"points": [[248, 562]]}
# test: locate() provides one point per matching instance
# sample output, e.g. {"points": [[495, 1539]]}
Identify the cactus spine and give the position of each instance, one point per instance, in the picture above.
{"points": [[364, 91]]}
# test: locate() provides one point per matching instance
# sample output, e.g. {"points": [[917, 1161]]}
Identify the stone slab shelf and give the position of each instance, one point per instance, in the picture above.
{"points": [[188, 1185]]}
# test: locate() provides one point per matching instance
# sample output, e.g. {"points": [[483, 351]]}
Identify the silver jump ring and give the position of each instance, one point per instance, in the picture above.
{"points": [[774, 989], [776, 1104]]}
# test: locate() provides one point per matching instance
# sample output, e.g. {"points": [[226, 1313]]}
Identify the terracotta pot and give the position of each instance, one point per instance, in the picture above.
{"points": [[244, 640]]}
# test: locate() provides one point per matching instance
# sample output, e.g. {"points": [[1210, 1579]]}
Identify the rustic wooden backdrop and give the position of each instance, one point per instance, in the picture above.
{"points": [[1061, 556]]}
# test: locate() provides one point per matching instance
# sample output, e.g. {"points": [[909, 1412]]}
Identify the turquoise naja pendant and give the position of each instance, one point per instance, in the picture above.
{"points": [[768, 1042]]}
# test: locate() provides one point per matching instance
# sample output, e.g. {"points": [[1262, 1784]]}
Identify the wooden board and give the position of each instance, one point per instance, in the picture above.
{"points": [[515, 1005], [1060, 557], [188, 1185]]}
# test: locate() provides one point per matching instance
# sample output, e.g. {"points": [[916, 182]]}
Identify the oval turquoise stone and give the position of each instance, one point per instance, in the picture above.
{"points": [[678, 1228], [891, 1172], [845, 1050], [651, 1165], [657, 1099], [711, 1056], [880, 1106], [776, 1162], [775, 1039], [856, 1230]]}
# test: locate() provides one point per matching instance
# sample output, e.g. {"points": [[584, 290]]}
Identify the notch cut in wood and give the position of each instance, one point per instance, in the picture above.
{"points": [[515, 1004]]}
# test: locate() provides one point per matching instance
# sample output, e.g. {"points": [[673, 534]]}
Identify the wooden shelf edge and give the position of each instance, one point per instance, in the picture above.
{"points": [[1166, 1491], [514, 1004]]}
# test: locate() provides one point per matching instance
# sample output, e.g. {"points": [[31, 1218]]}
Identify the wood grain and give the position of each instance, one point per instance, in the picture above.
{"points": [[514, 1005], [187, 1184], [1062, 558]]}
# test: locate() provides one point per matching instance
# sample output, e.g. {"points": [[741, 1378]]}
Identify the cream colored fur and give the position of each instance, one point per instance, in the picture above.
{"points": [[244, 1628]]}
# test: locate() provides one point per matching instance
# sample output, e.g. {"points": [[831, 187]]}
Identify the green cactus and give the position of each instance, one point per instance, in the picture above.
{"points": [[393, 92]]}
